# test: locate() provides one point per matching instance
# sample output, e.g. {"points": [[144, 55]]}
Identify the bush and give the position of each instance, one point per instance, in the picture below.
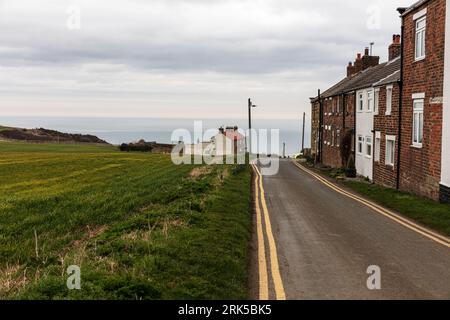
{"points": [[350, 171]]}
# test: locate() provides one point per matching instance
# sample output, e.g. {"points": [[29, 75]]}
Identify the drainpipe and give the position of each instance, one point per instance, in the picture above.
{"points": [[319, 97], [355, 101], [343, 126], [400, 107]]}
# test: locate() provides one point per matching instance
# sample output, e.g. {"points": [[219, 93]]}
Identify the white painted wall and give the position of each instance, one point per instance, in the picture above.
{"points": [[445, 164], [364, 127]]}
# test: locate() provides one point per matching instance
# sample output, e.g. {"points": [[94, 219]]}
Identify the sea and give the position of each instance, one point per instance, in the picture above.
{"points": [[125, 130]]}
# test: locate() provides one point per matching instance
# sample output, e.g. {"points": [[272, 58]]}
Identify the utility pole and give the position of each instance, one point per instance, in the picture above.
{"points": [[250, 106], [303, 133]]}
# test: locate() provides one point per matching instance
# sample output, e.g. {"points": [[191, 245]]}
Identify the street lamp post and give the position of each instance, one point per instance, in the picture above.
{"points": [[250, 106]]}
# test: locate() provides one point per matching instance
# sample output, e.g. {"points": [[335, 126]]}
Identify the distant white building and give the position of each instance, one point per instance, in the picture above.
{"points": [[227, 142]]}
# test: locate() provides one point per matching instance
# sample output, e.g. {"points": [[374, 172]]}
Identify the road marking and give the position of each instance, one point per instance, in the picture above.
{"points": [[275, 268], [262, 263], [377, 208]]}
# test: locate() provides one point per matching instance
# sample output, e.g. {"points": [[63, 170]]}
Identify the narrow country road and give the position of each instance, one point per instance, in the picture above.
{"points": [[325, 241]]}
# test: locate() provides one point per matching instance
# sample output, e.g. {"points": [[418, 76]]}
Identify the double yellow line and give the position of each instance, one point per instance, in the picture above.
{"points": [[263, 216], [375, 207]]}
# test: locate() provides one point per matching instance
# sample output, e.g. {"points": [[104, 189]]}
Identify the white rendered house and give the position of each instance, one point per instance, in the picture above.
{"points": [[365, 102]]}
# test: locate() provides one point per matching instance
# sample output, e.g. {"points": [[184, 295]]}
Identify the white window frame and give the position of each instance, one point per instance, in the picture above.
{"points": [[389, 153], [377, 148], [368, 144], [376, 101], [370, 101], [417, 128], [420, 36], [360, 102], [360, 145], [389, 94]]}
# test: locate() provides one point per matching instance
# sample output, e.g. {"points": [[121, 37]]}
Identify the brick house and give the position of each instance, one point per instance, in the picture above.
{"points": [[340, 109], [386, 123], [404, 103], [315, 125], [445, 162], [421, 113]]}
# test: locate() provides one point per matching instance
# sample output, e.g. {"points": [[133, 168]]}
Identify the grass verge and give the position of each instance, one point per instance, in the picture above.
{"points": [[137, 226]]}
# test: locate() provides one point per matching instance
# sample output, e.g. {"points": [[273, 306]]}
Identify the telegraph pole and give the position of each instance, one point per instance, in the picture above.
{"points": [[250, 106], [284, 150], [303, 133]]}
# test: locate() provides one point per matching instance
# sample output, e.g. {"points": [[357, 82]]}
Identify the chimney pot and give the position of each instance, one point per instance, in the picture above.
{"points": [[358, 56]]}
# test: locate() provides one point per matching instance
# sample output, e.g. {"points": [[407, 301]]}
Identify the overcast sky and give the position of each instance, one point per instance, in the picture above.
{"points": [[181, 58]]}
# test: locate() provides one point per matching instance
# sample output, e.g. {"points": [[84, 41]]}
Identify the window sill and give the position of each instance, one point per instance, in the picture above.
{"points": [[417, 146], [420, 59], [387, 114]]}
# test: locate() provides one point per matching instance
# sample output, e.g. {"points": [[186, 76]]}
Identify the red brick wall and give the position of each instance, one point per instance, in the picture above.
{"points": [[315, 108], [383, 174], [420, 168], [332, 154]]}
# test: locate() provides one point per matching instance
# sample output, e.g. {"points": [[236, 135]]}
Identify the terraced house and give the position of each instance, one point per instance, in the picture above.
{"points": [[348, 108], [424, 131], [401, 111]]}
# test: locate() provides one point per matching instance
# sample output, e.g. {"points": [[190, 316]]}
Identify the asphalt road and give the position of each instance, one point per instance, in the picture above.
{"points": [[325, 243]]}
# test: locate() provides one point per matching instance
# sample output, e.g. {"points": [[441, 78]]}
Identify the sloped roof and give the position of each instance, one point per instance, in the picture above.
{"points": [[381, 74], [414, 6], [395, 77]]}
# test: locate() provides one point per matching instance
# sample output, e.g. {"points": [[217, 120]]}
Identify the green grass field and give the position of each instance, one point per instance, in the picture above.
{"points": [[138, 226]]}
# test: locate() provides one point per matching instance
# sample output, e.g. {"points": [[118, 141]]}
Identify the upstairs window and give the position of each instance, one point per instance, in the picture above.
{"points": [[389, 100], [376, 101], [369, 101], [360, 102], [421, 26]]}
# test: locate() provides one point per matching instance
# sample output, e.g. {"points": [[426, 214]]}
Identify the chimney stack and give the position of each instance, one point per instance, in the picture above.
{"points": [[362, 63], [368, 60], [395, 49], [350, 69]]}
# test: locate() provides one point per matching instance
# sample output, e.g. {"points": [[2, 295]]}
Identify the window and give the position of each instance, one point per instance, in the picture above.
{"points": [[390, 150], [418, 123], [338, 138], [377, 101], [361, 102], [360, 144], [421, 26], [369, 101], [388, 100], [377, 146], [369, 147], [338, 107], [332, 138]]}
